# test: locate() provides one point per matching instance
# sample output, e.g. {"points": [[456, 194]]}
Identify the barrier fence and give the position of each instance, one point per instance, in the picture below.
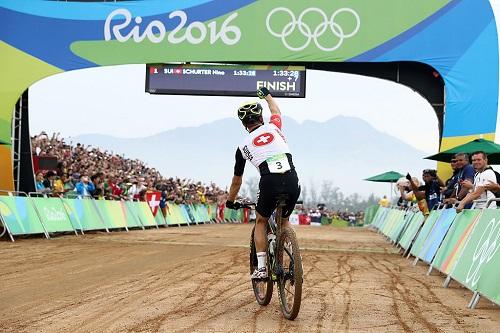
{"points": [[23, 214], [465, 246]]}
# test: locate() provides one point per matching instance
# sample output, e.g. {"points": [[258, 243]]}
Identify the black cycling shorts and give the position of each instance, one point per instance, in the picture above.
{"points": [[274, 184]]}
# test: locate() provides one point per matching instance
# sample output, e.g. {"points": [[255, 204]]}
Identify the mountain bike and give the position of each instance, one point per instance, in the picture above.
{"points": [[284, 264]]}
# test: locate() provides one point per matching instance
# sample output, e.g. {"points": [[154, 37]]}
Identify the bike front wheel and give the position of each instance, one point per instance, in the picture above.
{"points": [[291, 276], [263, 289]]}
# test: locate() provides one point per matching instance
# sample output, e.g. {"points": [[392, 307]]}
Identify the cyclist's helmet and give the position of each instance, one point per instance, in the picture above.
{"points": [[250, 113]]}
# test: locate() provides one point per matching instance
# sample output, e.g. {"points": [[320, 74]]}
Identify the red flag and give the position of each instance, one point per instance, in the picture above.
{"points": [[153, 200]]}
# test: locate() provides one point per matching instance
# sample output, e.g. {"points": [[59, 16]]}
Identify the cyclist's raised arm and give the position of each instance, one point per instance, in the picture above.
{"points": [[264, 93]]}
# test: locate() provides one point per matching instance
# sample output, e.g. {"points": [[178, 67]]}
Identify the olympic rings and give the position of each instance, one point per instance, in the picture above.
{"points": [[306, 30]]}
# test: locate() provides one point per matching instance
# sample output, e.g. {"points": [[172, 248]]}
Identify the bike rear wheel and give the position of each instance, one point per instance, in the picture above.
{"points": [[291, 278], [263, 289]]}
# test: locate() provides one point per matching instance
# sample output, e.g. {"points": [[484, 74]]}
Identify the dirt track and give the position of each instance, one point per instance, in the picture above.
{"points": [[196, 280]]}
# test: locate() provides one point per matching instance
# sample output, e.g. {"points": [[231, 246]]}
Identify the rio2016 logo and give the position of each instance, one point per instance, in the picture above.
{"points": [[155, 31], [487, 246], [312, 33]]}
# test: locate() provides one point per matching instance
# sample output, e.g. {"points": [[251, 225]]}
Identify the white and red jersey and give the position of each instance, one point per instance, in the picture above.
{"points": [[265, 144]]}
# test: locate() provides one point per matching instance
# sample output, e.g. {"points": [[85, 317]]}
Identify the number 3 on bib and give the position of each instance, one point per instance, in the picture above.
{"points": [[278, 163]]}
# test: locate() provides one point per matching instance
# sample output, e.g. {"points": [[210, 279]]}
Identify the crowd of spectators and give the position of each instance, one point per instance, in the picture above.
{"points": [[472, 180], [90, 171]]}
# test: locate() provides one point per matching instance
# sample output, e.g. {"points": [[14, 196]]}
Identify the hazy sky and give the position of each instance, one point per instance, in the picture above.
{"points": [[111, 100]]}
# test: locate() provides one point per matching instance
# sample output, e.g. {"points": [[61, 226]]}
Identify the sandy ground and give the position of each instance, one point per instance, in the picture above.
{"points": [[196, 279]]}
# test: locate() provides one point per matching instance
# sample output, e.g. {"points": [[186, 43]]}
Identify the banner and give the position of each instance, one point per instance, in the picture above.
{"points": [[53, 214], [380, 216], [160, 219], [424, 231], [144, 213], [437, 235], [396, 233], [480, 254], [20, 216], [370, 214], [83, 212], [412, 230], [112, 213], [455, 240]]}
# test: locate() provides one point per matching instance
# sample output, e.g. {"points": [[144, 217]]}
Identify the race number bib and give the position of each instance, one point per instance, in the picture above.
{"points": [[278, 164]]}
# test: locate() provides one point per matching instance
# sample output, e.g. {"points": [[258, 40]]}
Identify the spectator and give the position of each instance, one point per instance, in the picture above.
{"points": [[384, 202], [465, 171], [85, 187], [68, 184], [40, 187], [484, 180], [48, 183], [449, 191], [427, 195]]}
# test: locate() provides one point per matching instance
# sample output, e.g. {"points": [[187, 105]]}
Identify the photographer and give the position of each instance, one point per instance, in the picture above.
{"points": [[407, 197]]}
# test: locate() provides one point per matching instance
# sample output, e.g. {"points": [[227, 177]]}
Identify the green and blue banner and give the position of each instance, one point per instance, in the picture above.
{"points": [[411, 230], [53, 214], [437, 234], [42, 38], [20, 216], [454, 242], [83, 212], [480, 258], [424, 232]]}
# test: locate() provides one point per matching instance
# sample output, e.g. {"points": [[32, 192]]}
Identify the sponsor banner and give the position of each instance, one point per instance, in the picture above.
{"points": [[412, 230], [112, 213], [143, 211], [53, 214], [380, 216], [294, 219], [481, 254], [387, 219], [489, 251], [397, 219], [128, 211], [437, 235], [20, 216], [455, 240], [159, 219], [83, 213], [397, 231], [187, 213], [370, 214], [424, 231], [178, 216]]}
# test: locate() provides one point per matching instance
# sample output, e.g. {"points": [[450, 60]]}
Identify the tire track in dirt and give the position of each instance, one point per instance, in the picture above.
{"points": [[430, 294], [404, 293], [197, 296]]}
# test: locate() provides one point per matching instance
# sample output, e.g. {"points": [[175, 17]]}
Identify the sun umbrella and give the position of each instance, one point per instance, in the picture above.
{"points": [[489, 147], [386, 177]]}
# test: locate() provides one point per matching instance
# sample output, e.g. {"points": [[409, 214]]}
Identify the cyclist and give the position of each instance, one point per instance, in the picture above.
{"points": [[266, 148]]}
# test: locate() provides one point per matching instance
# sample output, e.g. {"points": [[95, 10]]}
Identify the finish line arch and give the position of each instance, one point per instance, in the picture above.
{"points": [[42, 38]]}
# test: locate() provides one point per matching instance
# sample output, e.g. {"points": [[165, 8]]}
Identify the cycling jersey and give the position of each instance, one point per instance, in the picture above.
{"points": [[266, 148]]}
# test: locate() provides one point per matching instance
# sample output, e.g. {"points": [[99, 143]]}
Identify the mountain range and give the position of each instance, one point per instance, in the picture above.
{"points": [[344, 150]]}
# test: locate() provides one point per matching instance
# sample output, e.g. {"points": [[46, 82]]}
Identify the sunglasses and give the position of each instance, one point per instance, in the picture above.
{"points": [[248, 108]]}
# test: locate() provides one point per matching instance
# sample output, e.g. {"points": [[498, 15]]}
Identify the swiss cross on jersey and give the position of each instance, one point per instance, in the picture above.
{"points": [[263, 139], [264, 143]]}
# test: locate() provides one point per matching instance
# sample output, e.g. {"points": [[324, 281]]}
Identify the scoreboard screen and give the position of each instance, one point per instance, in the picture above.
{"points": [[225, 80]]}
